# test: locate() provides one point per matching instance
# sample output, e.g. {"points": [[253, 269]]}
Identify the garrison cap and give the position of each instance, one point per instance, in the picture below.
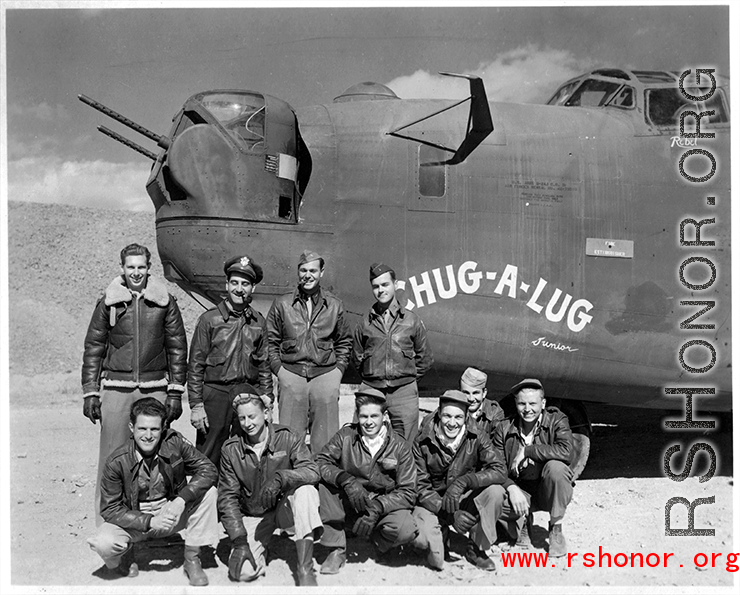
{"points": [[453, 396], [369, 391], [308, 256], [475, 378], [244, 265], [526, 383], [378, 268]]}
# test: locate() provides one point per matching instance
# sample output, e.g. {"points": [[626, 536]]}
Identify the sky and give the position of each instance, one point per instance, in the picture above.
{"points": [[145, 62]]}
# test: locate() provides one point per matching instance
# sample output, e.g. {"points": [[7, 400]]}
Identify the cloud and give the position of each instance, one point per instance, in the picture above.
{"points": [[97, 184], [525, 74], [43, 112]]}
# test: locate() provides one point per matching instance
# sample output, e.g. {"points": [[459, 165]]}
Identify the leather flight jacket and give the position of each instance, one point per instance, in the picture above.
{"points": [[437, 467], [553, 440], [177, 459], [135, 341], [491, 415], [242, 476], [308, 347], [228, 347], [391, 357], [389, 476]]}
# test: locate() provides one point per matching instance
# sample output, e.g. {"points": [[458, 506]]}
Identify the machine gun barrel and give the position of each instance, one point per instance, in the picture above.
{"points": [[129, 143], [162, 141]]}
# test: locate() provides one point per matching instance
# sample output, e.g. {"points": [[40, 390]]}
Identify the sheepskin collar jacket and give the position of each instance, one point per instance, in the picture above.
{"points": [[135, 340]]}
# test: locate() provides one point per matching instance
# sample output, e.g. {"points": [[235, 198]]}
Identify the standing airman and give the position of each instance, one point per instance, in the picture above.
{"points": [[391, 352], [308, 343], [229, 347]]}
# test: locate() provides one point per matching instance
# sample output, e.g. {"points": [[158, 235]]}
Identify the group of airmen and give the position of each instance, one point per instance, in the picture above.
{"points": [[384, 477]]}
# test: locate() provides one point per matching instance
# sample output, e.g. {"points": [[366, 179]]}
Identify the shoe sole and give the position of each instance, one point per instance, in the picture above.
{"points": [[332, 571], [194, 584]]}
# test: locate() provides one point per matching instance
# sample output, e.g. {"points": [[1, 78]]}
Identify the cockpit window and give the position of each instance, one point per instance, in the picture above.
{"points": [[718, 103], [240, 113], [593, 93], [624, 99], [664, 107], [562, 94]]}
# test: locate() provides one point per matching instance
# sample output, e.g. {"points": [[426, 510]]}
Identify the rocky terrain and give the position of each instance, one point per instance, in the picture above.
{"points": [[60, 260]]}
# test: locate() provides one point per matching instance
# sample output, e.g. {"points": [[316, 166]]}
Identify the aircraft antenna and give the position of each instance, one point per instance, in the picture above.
{"points": [[479, 126]]}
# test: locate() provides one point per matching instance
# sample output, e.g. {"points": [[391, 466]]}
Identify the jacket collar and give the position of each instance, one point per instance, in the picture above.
{"points": [[155, 292], [226, 311], [319, 295], [357, 436], [545, 421], [270, 446], [485, 410], [395, 308], [162, 453]]}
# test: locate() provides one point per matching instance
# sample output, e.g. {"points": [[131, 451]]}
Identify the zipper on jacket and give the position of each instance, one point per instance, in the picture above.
{"points": [[135, 370]]}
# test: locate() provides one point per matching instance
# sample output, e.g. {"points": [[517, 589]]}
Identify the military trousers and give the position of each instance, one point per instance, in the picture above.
{"points": [[393, 529], [222, 421], [297, 512], [198, 526], [314, 403], [552, 493], [477, 502]]}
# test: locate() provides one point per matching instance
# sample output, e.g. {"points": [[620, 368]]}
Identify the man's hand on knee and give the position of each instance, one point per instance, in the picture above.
{"points": [[271, 493], [161, 522], [173, 510], [463, 521], [518, 500], [366, 523], [356, 494]]}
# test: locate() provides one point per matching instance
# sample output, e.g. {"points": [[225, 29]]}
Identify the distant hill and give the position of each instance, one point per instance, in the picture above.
{"points": [[60, 259]]}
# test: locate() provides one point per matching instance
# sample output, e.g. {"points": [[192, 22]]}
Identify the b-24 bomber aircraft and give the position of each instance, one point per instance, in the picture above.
{"points": [[533, 240]]}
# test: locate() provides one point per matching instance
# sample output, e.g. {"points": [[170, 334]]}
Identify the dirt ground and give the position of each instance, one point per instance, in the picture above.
{"points": [[618, 506]]}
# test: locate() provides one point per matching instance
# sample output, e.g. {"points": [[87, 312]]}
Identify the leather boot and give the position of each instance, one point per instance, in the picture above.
{"points": [[192, 567], [524, 541], [127, 567], [334, 561], [478, 557], [558, 545], [305, 571]]}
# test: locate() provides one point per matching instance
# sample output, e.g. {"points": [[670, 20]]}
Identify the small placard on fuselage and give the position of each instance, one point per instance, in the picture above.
{"points": [[610, 248]]}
